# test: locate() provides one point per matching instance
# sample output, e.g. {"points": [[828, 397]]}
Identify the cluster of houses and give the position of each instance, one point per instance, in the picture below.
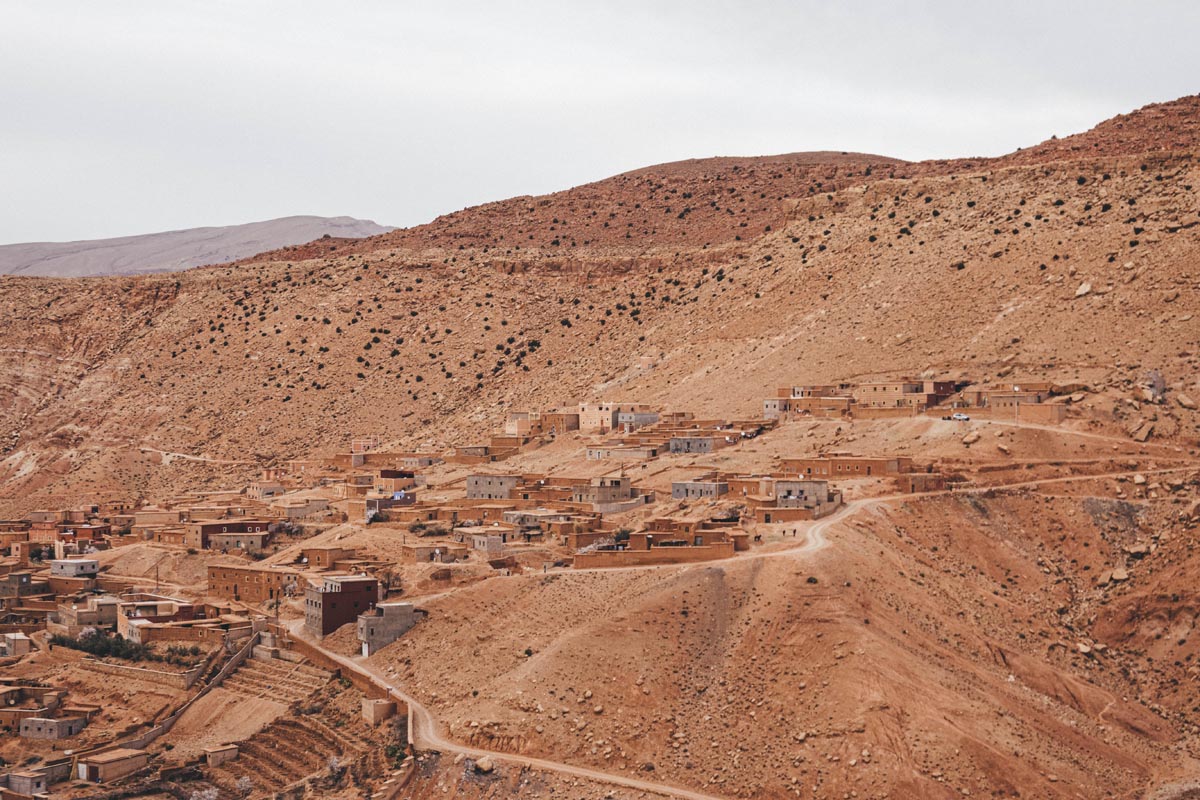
{"points": [[337, 587], [1031, 401], [631, 431], [51, 577], [50, 562]]}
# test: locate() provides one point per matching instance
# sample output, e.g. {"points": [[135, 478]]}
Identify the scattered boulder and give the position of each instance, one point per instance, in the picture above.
{"points": [[971, 438], [1139, 550], [484, 765], [1140, 431], [1084, 289], [1185, 402]]}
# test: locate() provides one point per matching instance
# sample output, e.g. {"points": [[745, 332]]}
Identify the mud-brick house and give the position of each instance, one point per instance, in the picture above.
{"points": [[384, 624], [630, 421], [698, 489], [172, 536], [913, 482], [337, 600], [845, 466], [199, 534], [15, 644], [491, 487], [72, 617], [20, 584], [27, 783], [111, 765], [264, 489], [152, 608], [610, 494], [51, 727], [391, 481], [604, 417], [297, 508], [798, 500], [696, 444], [11, 536], [324, 557], [74, 568], [653, 547], [906, 393], [249, 542], [251, 583]]}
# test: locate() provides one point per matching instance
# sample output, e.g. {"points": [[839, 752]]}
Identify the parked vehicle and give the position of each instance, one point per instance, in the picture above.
{"points": [[958, 416]]}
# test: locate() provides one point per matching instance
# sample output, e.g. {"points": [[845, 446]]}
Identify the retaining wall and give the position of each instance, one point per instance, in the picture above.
{"points": [[657, 555], [178, 680]]}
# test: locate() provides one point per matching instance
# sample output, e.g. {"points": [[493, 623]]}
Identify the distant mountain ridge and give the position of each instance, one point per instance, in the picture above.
{"points": [[170, 251]]}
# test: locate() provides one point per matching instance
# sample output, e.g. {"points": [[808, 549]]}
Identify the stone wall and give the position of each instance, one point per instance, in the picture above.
{"points": [[177, 680], [657, 555]]}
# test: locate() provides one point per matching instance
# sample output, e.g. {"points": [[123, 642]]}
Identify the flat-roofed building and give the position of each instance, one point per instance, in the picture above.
{"points": [[110, 765], [337, 600], [252, 584], [491, 487], [698, 489], [384, 624], [74, 568], [198, 534]]}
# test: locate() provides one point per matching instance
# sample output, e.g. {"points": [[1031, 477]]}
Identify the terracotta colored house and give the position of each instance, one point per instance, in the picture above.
{"points": [[339, 599]]}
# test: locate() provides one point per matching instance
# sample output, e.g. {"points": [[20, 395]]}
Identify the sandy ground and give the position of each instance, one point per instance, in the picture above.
{"points": [[221, 716]]}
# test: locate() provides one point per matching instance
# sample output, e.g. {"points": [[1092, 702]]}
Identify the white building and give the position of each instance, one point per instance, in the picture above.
{"points": [[74, 568]]}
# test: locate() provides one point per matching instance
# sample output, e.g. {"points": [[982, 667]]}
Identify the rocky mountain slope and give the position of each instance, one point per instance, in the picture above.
{"points": [[172, 251], [978, 644], [1073, 266]]}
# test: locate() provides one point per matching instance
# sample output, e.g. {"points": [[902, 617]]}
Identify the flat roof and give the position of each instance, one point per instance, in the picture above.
{"points": [[109, 756]]}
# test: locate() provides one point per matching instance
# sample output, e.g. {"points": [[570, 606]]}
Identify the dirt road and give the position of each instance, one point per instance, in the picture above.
{"points": [[427, 732]]}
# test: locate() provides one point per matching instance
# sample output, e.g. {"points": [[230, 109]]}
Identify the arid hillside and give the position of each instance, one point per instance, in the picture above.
{"points": [[1080, 263], [1026, 629], [932, 650]]}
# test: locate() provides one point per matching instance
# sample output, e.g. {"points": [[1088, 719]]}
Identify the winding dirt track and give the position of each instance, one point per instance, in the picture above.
{"points": [[427, 733]]}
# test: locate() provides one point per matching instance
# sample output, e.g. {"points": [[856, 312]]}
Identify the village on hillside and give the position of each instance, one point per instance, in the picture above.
{"points": [[201, 603]]}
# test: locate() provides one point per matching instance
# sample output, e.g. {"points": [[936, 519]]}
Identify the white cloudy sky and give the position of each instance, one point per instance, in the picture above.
{"points": [[130, 117]]}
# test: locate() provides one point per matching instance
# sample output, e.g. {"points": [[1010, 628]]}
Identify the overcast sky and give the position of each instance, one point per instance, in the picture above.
{"points": [[130, 117]]}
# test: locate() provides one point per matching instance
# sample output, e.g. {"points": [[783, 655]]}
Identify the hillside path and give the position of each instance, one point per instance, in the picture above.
{"points": [[427, 732]]}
